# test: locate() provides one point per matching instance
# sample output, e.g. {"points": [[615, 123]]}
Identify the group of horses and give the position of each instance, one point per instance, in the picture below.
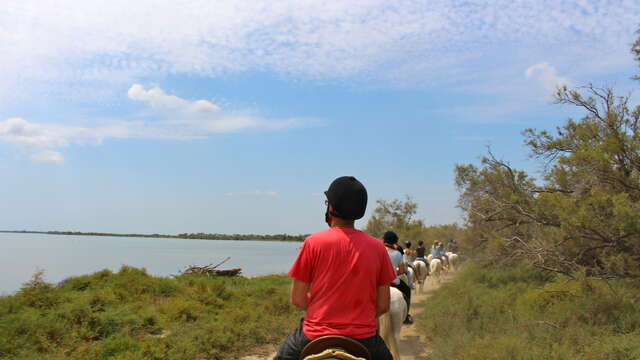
{"points": [[391, 322]]}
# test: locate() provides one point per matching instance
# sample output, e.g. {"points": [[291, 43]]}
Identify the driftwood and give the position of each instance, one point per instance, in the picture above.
{"points": [[211, 270]]}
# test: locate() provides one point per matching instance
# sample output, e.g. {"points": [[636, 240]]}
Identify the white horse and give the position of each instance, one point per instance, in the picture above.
{"points": [[435, 269], [453, 260], [408, 277], [421, 269], [410, 274], [390, 322], [430, 258]]}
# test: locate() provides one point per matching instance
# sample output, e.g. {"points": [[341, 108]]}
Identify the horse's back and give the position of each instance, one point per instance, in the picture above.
{"points": [[422, 269], [436, 266], [391, 322]]}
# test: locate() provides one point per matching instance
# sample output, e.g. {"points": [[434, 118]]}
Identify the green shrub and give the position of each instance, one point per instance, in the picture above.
{"points": [[614, 347], [117, 345], [39, 294], [519, 313], [132, 315]]}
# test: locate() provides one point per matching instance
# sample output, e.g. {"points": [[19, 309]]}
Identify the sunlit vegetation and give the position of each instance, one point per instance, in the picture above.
{"points": [[399, 216], [516, 313], [132, 315]]}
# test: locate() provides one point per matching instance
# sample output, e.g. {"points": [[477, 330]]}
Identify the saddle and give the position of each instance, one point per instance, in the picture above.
{"points": [[335, 347]]}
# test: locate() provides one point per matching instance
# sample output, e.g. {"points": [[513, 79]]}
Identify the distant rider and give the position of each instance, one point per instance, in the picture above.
{"points": [[409, 257], [341, 277], [452, 246], [435, 253], [420, 251], [391, 242], [443, 254], [409, 253]]}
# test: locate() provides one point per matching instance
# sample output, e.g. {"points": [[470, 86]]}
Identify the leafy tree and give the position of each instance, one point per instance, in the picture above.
{"points": [[398, 216], [583, 215], [395, 215]]}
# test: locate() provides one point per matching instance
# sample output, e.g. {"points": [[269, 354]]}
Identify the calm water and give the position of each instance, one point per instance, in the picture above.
{"points": [[61, 256]]}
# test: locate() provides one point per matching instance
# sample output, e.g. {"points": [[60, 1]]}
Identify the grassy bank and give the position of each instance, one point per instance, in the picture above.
{"points": [[132, 315], [521, 314]]}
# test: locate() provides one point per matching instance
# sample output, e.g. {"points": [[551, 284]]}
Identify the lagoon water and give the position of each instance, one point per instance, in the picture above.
{"points": [[62, 256]]}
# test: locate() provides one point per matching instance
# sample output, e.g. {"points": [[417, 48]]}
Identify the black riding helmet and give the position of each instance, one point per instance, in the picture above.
{"points": [[348, 197], [407, 244], [390, 238]]}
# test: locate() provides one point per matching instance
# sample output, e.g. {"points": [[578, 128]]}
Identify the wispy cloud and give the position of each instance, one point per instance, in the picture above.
{"points": [[204, 117], [409, 40], [174, 118], [38, 135], [39, 138], [48, 156]]}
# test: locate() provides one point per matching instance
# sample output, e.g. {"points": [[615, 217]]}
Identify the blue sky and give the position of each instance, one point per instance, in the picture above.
{"points": [[233, 117]]}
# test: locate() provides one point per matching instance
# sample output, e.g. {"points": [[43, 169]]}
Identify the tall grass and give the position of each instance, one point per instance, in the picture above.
{"points": [[132, 315], [489, 313]]}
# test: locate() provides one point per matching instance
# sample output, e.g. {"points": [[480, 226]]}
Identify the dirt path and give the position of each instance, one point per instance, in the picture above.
{"points": [[413, 345]]}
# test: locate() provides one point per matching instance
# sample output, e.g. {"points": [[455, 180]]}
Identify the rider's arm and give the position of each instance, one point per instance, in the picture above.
{"points": [[401, 269], [382, 300], [299, 295]]}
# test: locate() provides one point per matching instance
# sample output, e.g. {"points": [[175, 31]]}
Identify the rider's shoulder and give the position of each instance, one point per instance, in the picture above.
{"points": [[322, 236], [316, 236]]}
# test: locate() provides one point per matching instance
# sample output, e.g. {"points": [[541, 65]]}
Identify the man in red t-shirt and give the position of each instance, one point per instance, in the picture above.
{"points": [[341, 277]]}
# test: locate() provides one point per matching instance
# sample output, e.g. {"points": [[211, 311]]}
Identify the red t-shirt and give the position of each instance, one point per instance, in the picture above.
{"points": [[344, 267]]}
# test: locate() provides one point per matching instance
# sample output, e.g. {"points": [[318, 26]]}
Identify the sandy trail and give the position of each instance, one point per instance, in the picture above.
{"points": [[413, 345]]}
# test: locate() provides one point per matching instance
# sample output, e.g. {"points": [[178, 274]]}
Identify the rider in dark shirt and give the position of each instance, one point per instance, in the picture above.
{"points": [[420, 250]]}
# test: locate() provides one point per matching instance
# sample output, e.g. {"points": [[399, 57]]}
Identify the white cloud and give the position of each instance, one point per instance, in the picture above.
{"points": [[546, 76], [203, 116], [157, 97], [36, 136], [409, 40], [39, 138], [175, 119], [48, 156], [252, 193]]}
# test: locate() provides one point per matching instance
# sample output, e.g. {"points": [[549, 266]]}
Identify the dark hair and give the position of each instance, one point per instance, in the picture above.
{"points": [[390, 238], [407, 244], [420, 242]]}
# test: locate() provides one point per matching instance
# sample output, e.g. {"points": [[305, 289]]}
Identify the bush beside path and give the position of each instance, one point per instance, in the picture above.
{"points": [[522, 313], [130, 315]]}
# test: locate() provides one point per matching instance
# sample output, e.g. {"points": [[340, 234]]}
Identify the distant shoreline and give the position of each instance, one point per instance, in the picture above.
{"points": [[196, 236]]}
